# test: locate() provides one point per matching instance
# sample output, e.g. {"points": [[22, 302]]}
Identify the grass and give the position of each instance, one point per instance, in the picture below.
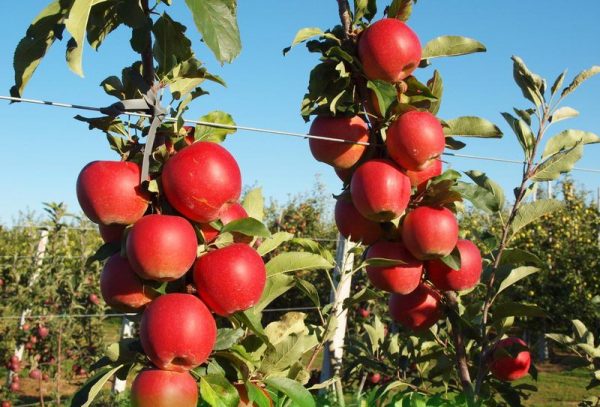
{"points": [[559, 387]]}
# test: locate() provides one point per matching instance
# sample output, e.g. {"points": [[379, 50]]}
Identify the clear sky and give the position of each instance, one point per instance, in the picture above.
{"points": [[44, 148]]}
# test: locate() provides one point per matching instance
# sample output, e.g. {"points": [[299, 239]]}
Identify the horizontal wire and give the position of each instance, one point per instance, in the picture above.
{"points": [[263, 130]]}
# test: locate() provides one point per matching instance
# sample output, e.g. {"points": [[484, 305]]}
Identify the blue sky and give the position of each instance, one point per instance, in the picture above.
{"points": [[44, 148]]}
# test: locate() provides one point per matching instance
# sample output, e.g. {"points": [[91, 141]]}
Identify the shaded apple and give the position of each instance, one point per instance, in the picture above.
{"points": [[418, 310], [230, 279], [111, 233], [163, 388], [419, 179], [177, 332], [510, 359], [228, 213], [430, 232], [338, 154], [121, 287], [448, 279], [400, 278], [109, 192], [352, 225]]}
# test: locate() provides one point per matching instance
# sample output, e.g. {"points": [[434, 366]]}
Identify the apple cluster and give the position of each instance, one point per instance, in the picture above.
{"points": [[160, 244], [385, 179]]}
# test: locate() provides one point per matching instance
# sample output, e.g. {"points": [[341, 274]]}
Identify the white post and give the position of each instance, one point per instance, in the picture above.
{"points": [[332, 358], [549, 189], [126, 332]]}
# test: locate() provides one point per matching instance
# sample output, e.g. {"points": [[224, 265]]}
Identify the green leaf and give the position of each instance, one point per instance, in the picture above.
{"points": [[451, 45], [171, 46], [303, 35], [385, 93], [256, 395], [522, 131], [400, 9], [583, 334], [227, 337], [248, 227], [252, 320], [563, 113], [289, 324], [294, 390], [104, 18], [579, 79], [452, 260], [558, 82], [273, 242], [126, 350], [287, 352], [212, 133], [366, 294], [275, 286], [107, 124], [557, 164], [88, 392], [560, 338], [104, 252], [518, 256], [532, 85], [296, 261], [76, 24], [516, 309], [216, 391], [469, 126], [516, 275], [309, 290], [532, 211], [253, 203], [453, 144], [482, 180], [568, 139], [381, 262], [436, 85], [32, 48], [217, 22], [525, 115]]}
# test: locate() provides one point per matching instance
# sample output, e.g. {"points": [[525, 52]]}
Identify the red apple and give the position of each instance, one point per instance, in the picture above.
{"points": [[109, 192], [375, 378], [121, 288], [352, 225], [200, 179], [447, 279], [161, 247], [380, 191], [228, 213], [35, 374], [93, 298], [111, 233], [162, 388], [345, 175], [14, 387], [45, 377], [43, 332], [419, 179], [401, 278], [338, 154], [430, 232], [6, 403], [363, 312], [389, 50], [418, 310], [177, 332], [415, 139], [190, 131], [502, 363], [14, 359], [230, 279]]}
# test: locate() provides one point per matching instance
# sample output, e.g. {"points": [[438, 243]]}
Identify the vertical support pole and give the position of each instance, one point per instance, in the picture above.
{"points": [[550, 195], [126, 332], [332, 357]]}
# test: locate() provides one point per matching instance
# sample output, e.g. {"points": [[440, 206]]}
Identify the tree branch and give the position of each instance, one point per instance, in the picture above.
{"points": [[344, 10], [147, 56], [462, 366]]}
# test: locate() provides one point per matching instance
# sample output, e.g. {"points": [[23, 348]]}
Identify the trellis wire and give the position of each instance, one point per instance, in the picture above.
{"points": [[268, 131]]}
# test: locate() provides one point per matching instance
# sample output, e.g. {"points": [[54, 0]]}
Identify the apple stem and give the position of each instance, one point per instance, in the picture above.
{"points": [[146, 54]]}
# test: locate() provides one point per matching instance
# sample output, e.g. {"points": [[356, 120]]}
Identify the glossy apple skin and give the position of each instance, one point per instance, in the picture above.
{"points": [[402, 278], [229, 213], [503, 366], [230, 279], [339, 155], [415, 139], [430, 232], [352, 225], [447, 279], [109, 192], [161, 247], [380, 190], [177, 332], [389, 50], [417, 311], [111, 233], [121, 288], [200, 179], [419, 179], [162, 388]]}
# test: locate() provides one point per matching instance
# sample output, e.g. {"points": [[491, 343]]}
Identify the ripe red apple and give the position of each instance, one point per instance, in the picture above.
{"points": [[228, 213], [200, 179], [14, 387], [35, 374], [363, 312], [230, 279], [14, 359], [389, 50], [418, 310], [430, 232], [121, 288], [177, 332], [161, 247], [109, 192], [337, 154], [419, 179], [352, 225], [111, 233], [447, 279], [6, 403], [345, 175], [380, 190], [162, 388], [93, 298], [401, 278], [506, 367], [375, 378], [43, 332], [415, 139], [45, 377], [26, 327]]}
